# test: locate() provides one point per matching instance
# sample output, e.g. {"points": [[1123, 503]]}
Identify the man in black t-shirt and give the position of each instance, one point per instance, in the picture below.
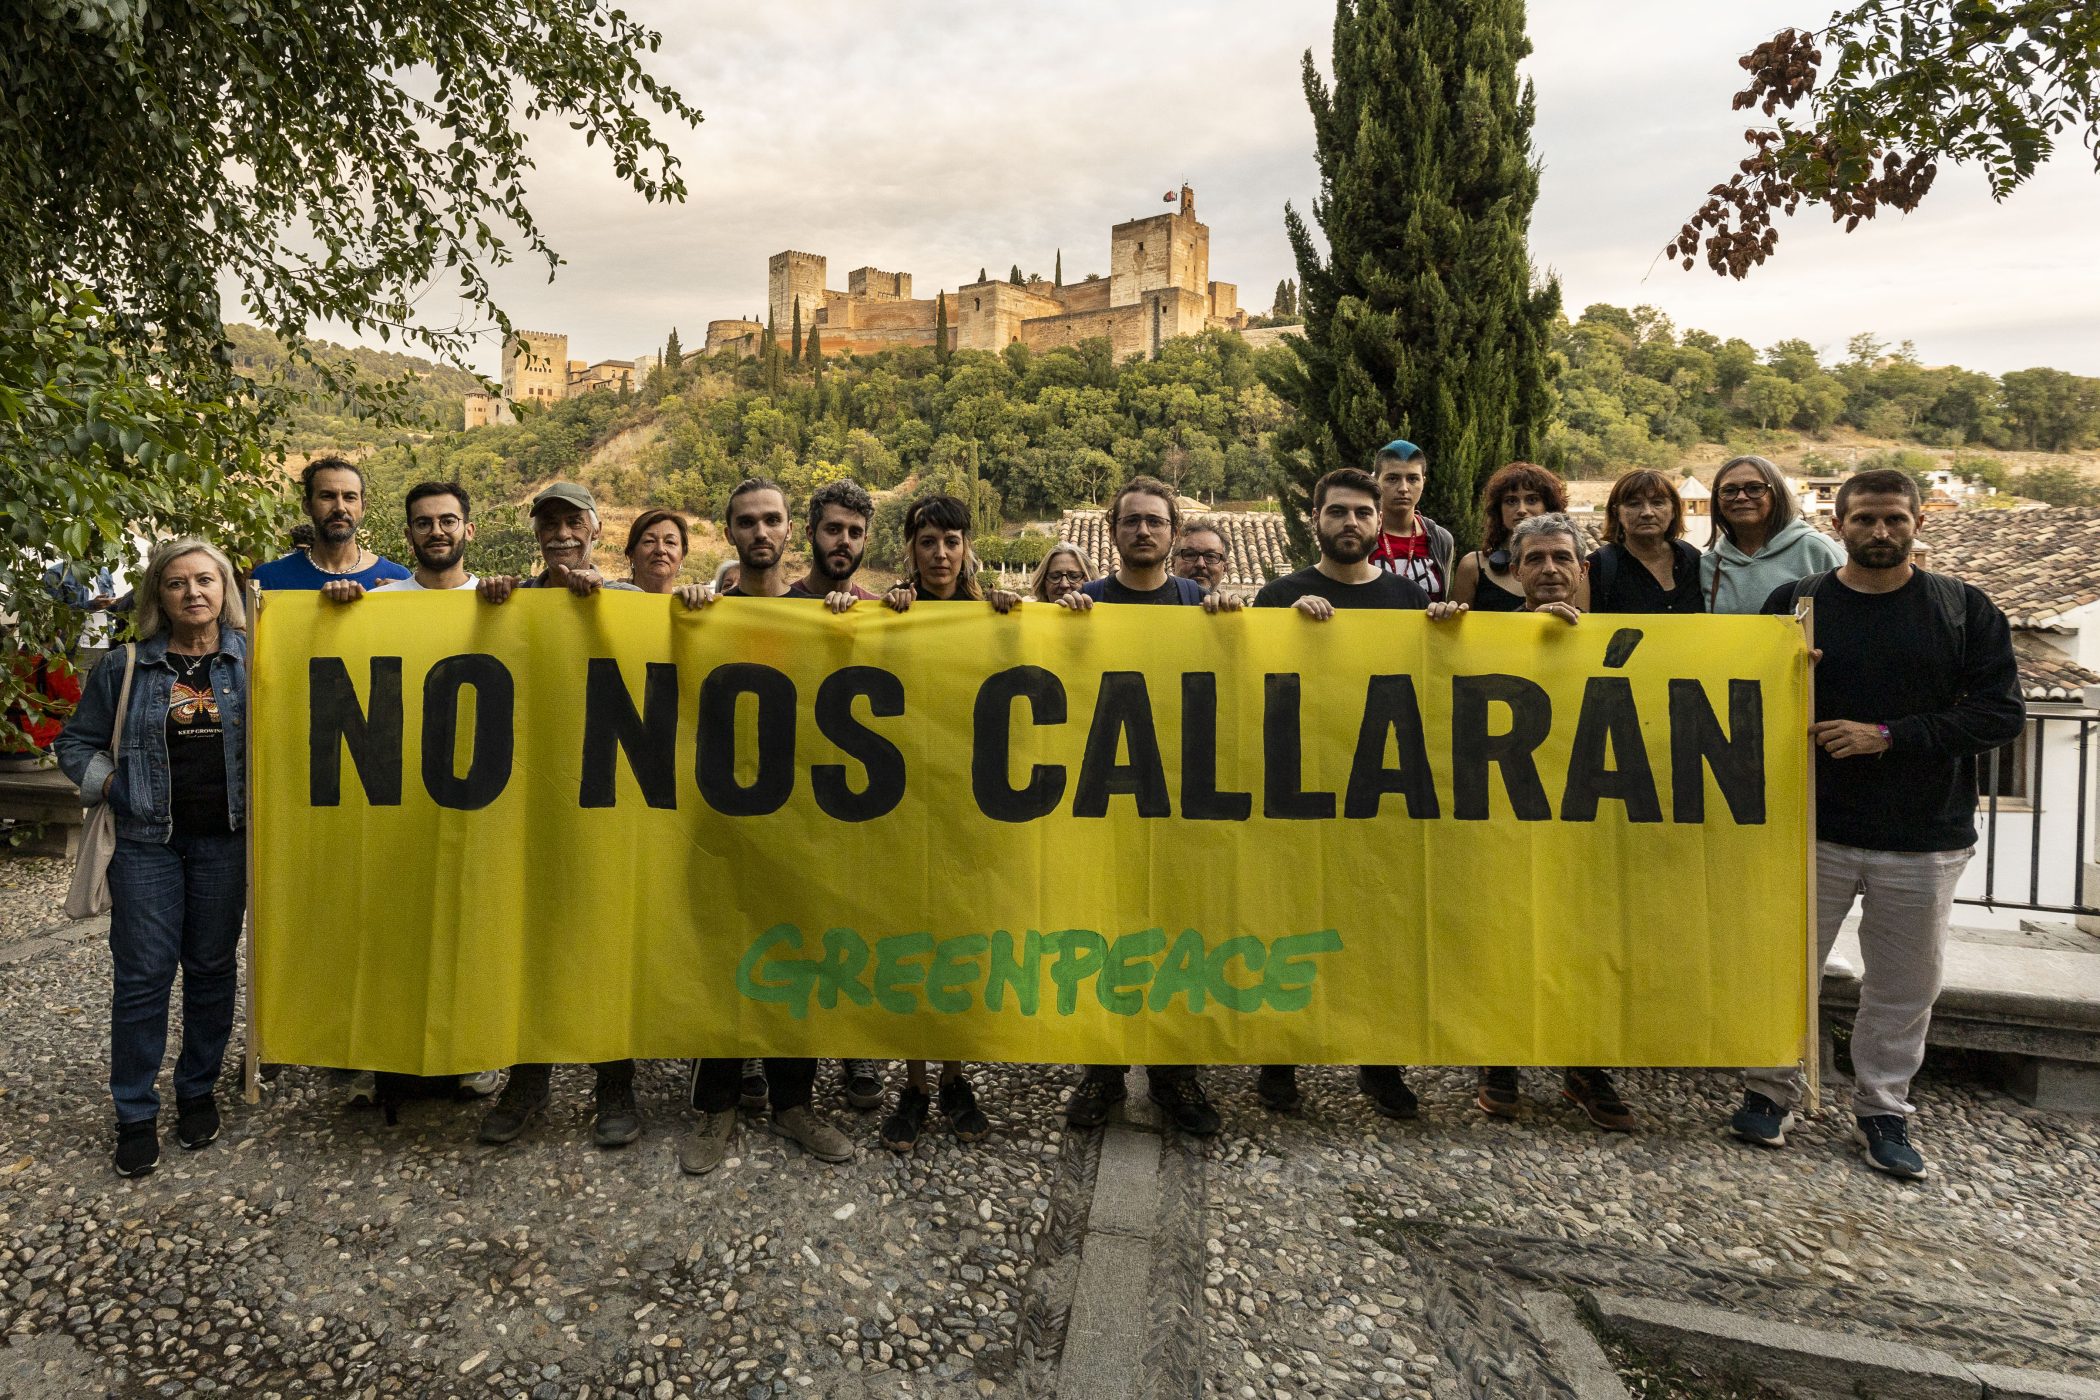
{"points": [[1915, 677], [1345, 523], [1144, 521]]}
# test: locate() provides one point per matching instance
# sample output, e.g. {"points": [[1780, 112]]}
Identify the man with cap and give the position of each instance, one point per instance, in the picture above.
{"points": [[1410, 544], [565, 521]]}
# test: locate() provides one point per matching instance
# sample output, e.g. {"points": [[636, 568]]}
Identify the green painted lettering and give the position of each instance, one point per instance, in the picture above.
{"points": [[1023, 974], [893, 973], [1182, 973], [954, 968], [1286, 982], [1130, 966], [1080, 953], [1247, 949], [845, 958], [792, 990]]}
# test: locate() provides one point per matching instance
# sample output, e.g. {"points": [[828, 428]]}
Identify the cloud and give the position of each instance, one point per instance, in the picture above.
{"points": [[934, 138]]}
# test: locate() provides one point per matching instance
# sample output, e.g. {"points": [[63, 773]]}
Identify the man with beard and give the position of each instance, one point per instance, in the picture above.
{"points": [[1915, 677], [1144, 519], [439, 532], [334, 495], [839, 515], [1203, 554], [758, 526], [1345, 523]]}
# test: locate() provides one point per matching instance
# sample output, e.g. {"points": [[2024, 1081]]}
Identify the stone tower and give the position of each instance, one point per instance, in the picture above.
{"points": [[536, 367], [1166, 250], [793, 277]]}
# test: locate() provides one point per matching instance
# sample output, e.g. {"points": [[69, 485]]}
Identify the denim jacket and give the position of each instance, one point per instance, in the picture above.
{"points": [[140, 796]]}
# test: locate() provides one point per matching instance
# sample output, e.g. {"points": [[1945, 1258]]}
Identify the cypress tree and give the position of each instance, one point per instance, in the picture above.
{"points": [[816, 356], [795, 345], [940, 328], [1057, 274], [1015, 276], [1425, 319], [980, 275]]}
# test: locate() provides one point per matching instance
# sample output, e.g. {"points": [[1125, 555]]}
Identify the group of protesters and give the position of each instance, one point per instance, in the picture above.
{"points": [[1916, 678]]}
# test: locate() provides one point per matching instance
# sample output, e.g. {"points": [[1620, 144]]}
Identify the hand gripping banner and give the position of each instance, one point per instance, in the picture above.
{"points": [[572, 830]]}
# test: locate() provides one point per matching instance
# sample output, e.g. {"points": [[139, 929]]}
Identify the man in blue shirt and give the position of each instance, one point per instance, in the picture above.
{"points": [[334, 493]]}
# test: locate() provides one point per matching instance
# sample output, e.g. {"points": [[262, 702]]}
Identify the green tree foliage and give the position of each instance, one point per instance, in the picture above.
{"points": [[327, 168], [2057, 486], [1015, 276], [795, 353], [1057, 270], [1913, 83], [1634, 392], [1424, 319], [940, 327]]}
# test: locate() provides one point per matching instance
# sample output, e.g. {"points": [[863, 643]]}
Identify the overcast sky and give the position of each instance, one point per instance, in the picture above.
{"points": [[935, 137]]}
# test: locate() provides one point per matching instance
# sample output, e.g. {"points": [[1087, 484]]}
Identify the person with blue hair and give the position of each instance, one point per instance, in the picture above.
{"points": [[1410, 544]]}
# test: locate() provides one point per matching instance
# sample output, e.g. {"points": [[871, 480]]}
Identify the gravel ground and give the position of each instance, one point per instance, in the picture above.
{"points": [[314, 1248], [32, 889]]}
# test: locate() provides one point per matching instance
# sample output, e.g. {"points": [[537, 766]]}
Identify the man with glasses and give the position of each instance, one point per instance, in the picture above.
{"points": [[1144, 520], [1203, 555]]}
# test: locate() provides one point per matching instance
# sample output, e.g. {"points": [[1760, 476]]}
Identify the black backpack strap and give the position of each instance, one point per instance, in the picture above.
{"points": [[1950, 597], [1604, 571], [1807, 585]]}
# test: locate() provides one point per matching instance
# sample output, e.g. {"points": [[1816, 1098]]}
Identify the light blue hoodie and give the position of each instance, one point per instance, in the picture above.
{"points": [[1746, 580]]}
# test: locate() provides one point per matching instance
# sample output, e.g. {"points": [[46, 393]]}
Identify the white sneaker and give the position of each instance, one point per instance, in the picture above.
{"points": [[480, 1086], [364, 1090]]}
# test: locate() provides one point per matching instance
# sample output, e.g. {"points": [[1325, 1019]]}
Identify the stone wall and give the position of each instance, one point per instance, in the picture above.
{"points": [[878, 285], [536, 367], [1166, 250], [793, 277], [1084, 296], [1224, 300], [725, 335], [991, 314]]}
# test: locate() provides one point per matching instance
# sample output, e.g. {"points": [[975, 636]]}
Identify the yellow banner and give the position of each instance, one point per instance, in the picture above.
{"points": [[581, 829]]}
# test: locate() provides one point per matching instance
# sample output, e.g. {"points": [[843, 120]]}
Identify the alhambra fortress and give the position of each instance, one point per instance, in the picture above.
{"points": [[1158, 287]]}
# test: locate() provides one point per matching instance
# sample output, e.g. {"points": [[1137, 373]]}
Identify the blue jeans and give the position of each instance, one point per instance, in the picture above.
{"points": [[173, 905]]}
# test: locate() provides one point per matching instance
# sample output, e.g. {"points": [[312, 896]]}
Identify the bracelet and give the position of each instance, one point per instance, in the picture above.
{"points": [[1883, 731]]}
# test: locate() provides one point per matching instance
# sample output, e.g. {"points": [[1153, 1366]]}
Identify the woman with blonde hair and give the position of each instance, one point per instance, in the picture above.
{"points": [[1060, 571], [175, 778]]}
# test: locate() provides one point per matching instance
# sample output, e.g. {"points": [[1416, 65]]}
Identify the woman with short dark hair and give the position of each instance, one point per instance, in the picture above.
{"points": [[178, 880], [1645, 564], [657, 543]]}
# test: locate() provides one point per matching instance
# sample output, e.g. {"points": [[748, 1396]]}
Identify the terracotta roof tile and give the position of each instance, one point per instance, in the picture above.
{"points": [[2046, 673]]}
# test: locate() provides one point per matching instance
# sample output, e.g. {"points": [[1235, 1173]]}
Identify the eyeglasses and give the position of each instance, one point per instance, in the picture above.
{"points": [[447, 523], [1190, 556], [1154, 523], [1748, 490], [1065, 576]]}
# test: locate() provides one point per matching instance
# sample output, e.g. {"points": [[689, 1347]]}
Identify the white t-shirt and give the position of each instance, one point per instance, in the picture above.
{"points": [[412, 585]]}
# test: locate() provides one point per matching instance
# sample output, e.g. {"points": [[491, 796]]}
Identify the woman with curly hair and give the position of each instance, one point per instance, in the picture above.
{"points": [[1483, 580]]}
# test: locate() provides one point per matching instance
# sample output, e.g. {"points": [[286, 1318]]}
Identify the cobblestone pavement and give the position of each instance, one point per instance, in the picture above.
{"points": [[315, 1249]]}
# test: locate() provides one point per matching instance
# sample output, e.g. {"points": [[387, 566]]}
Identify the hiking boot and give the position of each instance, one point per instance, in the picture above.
{"points": [[1186, 1106], [1277, 1087], [1498, 1093], [1591, 1091], [524, 1099], [364, 1090], [752, 1092], [900, 1131], [818, 1138], [863, 1084], [1886, 1138], [959, 1107], [196, 1121], [1386, 1087], [138, 1147], [702, 1150], [480, 1086], [1761, 1121], [617, 1121], [1092, 1098]]}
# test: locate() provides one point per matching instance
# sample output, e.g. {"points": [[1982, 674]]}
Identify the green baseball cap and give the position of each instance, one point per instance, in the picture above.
{"points": [[568, 493]]}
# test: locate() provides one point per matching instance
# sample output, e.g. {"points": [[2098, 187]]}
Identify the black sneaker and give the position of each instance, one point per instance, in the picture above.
{"points": [[1498, 1093], [1591, 1091], [196, 1121], [1761, 1121], [1186, 1105], [959, 1106], [863, 1084], [524, 1099], [617, 1121], [138, 1147], [900, 1131], [1886, 1138], [1386, 1087], [1277, 1087], [1091, 1100], [752, 1094]]}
